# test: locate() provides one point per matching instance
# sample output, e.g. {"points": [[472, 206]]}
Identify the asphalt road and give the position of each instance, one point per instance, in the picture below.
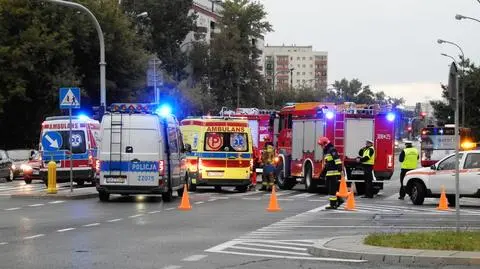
{"points": [[223, 230]]}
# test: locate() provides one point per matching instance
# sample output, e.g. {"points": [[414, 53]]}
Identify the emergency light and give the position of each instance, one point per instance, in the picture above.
{"points": [[163, 110], [329, 115], [391, 116], [83, 117]]}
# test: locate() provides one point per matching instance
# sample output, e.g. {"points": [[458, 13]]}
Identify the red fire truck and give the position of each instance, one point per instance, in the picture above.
{"points": [[348, 126]]}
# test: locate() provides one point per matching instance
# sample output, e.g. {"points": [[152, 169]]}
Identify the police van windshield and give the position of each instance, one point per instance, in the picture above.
{"points": [[78, 141], [227, 142]]}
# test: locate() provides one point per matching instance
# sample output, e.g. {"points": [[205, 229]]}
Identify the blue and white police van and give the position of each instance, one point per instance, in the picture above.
{"points": [[141, 152]]}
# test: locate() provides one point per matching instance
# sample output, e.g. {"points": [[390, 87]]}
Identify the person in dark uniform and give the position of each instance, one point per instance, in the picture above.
{"points": [[367, 158], [332, 171]]}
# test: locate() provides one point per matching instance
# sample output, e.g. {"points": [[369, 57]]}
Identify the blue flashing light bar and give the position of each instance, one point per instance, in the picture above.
{"points": [[132, 108], [391, 116], [329, 115]]}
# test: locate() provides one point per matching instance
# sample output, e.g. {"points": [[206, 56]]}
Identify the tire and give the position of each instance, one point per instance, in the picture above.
{"points": [[360, 187], [310, 185], [451, 200], [242, 188], [283, 182], [80, 182], [11, 176], [103, 196], [167, 196], [417, 193], [28, 181], [218, 188], [191, 186]]}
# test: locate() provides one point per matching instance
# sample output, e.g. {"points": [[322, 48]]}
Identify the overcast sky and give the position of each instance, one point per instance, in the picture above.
{"points": [[388, 44]]}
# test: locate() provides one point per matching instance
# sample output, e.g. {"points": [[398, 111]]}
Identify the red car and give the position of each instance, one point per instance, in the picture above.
{"points": [[31, 170]]}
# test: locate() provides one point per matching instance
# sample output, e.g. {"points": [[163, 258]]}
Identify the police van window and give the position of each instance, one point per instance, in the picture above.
{"points": [[79, 144], [172, 140], [449, 163], [229, 142]]}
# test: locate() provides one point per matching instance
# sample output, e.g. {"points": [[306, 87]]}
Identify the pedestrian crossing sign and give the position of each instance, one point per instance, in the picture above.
{"points": [[69, 98]]}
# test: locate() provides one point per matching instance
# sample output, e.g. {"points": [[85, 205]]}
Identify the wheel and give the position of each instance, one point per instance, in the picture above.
{"points": [[191, 186], [242, 188], [310, 185], [218, 188], [180, 192], [167, 196], [283, 182], [360, 187], [11, 176], [103, 196], [28, 181], [418, 192], [80, 182], [451, 200]]}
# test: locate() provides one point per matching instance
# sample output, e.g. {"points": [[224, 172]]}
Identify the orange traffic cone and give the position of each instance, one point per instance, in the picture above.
{"points": [[185, 204], [443, 205], [342, 190], [273, 205], [350, 206]]}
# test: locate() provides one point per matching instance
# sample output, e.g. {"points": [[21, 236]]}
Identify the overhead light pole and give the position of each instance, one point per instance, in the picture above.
{"points": [[461, 17], [103, 94], [441, 41]]}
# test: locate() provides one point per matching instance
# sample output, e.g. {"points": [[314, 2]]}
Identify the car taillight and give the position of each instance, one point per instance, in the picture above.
{"points": [[97, 166], [389, 161], [161, 167]]}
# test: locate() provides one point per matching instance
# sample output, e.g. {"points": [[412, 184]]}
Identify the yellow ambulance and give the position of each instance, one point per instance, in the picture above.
{"points": [[222, 152]]}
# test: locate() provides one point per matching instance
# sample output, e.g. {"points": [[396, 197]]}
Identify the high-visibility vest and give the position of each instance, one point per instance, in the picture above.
{"points": [[328, 158], [411, 158], [370, 161]]}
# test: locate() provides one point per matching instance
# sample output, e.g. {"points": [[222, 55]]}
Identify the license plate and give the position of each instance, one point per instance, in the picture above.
{"points": [[357, 173], [114, 180], [36, 172], [215, 174]]}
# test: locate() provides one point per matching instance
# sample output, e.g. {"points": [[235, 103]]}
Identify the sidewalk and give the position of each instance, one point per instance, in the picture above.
{"points": [[65, 194], [352, 247]]}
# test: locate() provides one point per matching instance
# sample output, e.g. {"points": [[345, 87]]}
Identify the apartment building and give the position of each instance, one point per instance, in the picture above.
{"points": [[296, 66]]}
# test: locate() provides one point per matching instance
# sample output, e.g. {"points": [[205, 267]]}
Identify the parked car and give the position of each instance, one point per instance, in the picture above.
{"points": [[19, 159], [5, 164], [31, 170], [429, 181]]}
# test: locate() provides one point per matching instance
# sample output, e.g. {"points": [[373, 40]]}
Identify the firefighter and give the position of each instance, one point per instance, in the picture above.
{"points": [[332, 171], [367, 158], [268, 161], [409, 158]]}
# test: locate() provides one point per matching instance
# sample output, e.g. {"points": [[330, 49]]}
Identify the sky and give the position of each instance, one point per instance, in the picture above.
{"points": [[390, 45]]}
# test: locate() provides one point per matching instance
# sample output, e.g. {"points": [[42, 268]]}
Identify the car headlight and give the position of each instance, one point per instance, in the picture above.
{"points": [[25, 167], [14, 167]]}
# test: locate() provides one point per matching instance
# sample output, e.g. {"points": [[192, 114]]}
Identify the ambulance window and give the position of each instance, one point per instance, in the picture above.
{"points": [[78, 141], [227, 142], [173, 140]]}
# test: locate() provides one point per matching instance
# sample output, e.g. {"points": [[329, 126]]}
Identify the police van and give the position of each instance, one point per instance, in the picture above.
{"points": [[221, 152], [55, 146], [141, 152]]}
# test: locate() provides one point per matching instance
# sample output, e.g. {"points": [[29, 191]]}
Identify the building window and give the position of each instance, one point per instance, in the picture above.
{"points": [[269, 81], [298, 65], [311, 73], [303, 66], [303, 81], [303, 73], [303, 58], [311, 66], [298, 81], [298, 58], [291, 58], [311, 58], [298, 73]]}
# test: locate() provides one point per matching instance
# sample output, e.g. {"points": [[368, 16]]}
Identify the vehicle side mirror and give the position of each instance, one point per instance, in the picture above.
{"points": [[187, 148], [433, 167]]}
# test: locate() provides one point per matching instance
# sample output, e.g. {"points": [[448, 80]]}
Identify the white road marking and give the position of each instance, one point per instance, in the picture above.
{"points": [[56, 202], [194, 258], [12, 208], [33, 236], [171, 208], [383, 227], [318, 209], [271, 250], [316, 200], [252, 198], [199, 203], [91, 224], [172, 267], [35, 205], [114, 220], [303, 195], [154, 212], [135, 216], [285, 199], [274, 246], [3, 243], [212, 200], [65, 230]]}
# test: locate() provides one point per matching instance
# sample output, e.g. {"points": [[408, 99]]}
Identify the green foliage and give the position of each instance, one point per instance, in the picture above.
{"points": [[354, 91]]}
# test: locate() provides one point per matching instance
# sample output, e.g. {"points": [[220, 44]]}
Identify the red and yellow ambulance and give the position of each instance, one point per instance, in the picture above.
{"points": [[222, 152]]}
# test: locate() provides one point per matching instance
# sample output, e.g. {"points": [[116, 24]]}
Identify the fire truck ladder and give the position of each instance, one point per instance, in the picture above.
{"points": [[339, 142], [116, 130]]}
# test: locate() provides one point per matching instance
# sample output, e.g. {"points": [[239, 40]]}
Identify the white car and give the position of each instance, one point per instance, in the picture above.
{"points": [[428, 182]]}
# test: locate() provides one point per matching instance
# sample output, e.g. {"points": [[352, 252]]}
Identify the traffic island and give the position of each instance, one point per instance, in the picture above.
{"points": [[64, 194], [355, 247]]}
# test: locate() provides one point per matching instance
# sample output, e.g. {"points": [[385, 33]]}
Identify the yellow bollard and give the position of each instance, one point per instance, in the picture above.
{"points": [[52, 178]]}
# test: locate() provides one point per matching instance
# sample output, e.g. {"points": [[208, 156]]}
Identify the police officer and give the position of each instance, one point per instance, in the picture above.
{"points": [[268, 160], [367, 158], [409, 158], [332, 170]]}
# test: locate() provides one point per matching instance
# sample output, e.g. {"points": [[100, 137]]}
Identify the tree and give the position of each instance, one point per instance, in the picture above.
{"points": [[354, 91]]}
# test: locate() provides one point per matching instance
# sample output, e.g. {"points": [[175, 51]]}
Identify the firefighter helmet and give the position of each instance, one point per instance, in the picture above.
{"points": [[323, 141]]}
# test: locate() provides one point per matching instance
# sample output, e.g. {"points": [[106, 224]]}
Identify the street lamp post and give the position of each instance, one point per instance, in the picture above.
{"points": [[461, 17], [441, 41], [103, 94]]}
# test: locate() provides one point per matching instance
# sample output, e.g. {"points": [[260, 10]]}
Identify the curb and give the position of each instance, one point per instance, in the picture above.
{"points": [[391, 255]]}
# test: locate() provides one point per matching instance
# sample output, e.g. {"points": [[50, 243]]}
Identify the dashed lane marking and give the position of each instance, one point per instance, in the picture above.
{"points": [[212, 200], [199, 203], [172, 267], [3, 243], [154, 212], [33, 236], [91, 224], [56, 202], [114, 220], [36, 205], [12, 208], [194, 258], [135, 216], [171, 208], [65, 230]]}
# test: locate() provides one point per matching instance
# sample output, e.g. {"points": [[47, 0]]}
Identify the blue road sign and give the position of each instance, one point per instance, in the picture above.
{"points": [[69, 98], [52, 141]]}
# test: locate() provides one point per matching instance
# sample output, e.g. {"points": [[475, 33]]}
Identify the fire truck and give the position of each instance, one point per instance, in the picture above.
{"points": [[348, 126]]}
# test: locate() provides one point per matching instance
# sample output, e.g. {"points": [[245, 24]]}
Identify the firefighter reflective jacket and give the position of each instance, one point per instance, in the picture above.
{"points": [[333, 164], [268, 155]]}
